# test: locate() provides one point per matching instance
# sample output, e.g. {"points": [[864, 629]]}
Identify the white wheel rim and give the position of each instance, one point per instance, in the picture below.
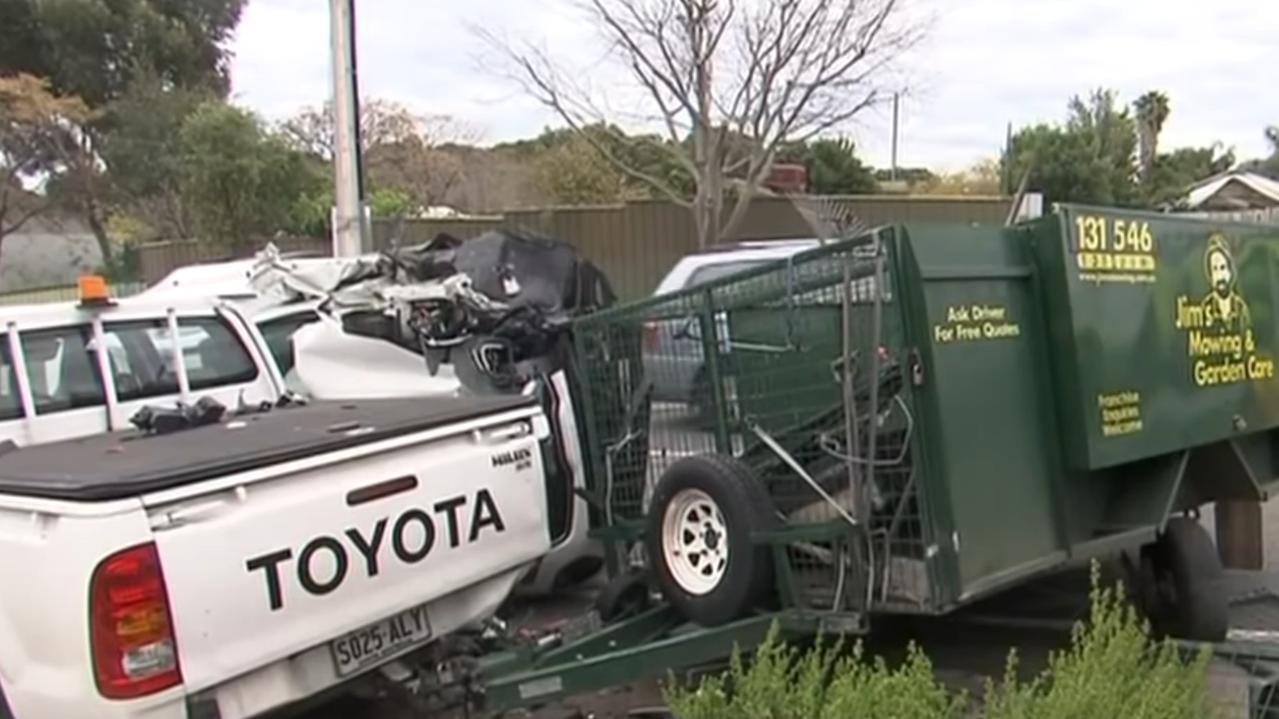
{"points": [[695, 541]]}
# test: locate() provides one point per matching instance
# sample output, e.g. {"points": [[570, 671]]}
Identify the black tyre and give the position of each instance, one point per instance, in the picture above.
{"points": [[1187, 599], [703, 513]]}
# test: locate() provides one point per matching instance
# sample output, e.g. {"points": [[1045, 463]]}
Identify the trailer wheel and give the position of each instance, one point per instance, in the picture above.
{"points": [[1188, 597], [704, 510]]}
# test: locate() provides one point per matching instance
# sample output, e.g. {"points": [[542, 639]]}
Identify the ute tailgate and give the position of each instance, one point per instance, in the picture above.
{"points": [[275, 559]]}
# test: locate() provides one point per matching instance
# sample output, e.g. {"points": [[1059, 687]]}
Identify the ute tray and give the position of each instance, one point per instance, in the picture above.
{"points": [[124, 464]]}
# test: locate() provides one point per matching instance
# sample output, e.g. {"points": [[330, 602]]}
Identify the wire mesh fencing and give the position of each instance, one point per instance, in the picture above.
{"points": [[796, 368]]}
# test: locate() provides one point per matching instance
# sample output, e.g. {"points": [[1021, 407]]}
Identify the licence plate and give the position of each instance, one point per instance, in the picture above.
{"points": [[368, 645]]}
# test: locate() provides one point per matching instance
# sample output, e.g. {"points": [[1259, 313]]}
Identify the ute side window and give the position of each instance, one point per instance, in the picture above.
{"points": [[278, 334], [712, 272], [10, 401], [62, 369], [211, 351]]}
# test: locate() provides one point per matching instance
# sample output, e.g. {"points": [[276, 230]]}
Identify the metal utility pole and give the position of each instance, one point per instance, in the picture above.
{"points": [[348, 217], [893, 176], [1005, 169]]}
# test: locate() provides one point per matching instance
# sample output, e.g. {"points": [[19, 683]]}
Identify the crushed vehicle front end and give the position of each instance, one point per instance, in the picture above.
{"points": [[489, 316]]}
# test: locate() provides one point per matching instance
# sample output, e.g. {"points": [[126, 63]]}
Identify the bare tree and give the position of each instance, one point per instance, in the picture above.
{"points": [[402, 150], [382, 122], [728, 81]]}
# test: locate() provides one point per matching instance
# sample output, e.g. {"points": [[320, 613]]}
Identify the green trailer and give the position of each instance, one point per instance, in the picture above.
{"points": [[941, 412], [910, 420]]}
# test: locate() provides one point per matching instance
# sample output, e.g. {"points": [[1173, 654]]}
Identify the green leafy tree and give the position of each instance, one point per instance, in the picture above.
{"points": [[40, 137], [649, 153], [140, 142], [1109, 136], [96, 50], [1175, 171], [390, 202], [241, 182], [834, 169], [573, 173], [310, 215], [1057, 161], [1092, 158]]}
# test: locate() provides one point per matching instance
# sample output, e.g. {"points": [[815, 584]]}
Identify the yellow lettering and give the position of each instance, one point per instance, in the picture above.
{"points": [[1122, 253], [1190, 314], [990, 330], [975, 322], [1205, 345], [1120, 413], [1210, 375], [1260, 368], [1118, 399], [987, 312]]}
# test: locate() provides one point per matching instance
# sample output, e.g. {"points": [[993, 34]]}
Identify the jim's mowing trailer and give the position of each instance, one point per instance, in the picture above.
{"points": [[910, 420]]}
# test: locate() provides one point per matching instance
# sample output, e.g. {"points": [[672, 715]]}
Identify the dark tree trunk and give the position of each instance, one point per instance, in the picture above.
{"points": [[98, 227]]}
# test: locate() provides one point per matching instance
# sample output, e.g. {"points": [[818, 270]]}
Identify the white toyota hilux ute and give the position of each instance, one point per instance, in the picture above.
{"points": [[230, 569], [226, 570]]}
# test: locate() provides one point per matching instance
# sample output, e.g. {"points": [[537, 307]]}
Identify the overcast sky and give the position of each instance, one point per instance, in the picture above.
{"points": [[984, 64]]}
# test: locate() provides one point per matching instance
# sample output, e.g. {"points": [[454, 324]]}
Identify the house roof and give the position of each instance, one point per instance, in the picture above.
{"points": [[1205, 190]]}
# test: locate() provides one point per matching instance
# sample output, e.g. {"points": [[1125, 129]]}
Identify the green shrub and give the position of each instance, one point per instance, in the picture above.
{"points": [[821, 683], [1112, 668]]}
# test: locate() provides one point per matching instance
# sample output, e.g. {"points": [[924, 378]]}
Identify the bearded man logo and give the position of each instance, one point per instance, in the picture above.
{"points": [[1224, 308]]}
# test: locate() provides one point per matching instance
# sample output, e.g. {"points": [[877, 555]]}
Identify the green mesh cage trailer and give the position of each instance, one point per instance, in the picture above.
{"points": [[912, 419]]}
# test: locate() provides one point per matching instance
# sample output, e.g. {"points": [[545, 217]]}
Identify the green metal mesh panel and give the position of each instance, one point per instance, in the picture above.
{"points": [[769, 366]]}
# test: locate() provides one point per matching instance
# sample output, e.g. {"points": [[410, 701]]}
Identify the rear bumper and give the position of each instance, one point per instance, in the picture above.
{"points": [[274, 686], [303, 676]]}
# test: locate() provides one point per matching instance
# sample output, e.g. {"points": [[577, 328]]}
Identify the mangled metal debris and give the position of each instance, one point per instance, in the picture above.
{"points": [[492, 308]]}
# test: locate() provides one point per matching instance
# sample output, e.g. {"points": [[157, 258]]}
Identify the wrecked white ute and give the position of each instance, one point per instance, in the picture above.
{"points": [[226, 570]]}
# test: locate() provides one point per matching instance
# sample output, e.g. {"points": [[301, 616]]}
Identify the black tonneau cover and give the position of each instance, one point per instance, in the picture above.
{"points": [[124, 464]]}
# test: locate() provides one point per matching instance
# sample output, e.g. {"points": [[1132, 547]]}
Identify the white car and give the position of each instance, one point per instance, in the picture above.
{"points": [[673, 351]]}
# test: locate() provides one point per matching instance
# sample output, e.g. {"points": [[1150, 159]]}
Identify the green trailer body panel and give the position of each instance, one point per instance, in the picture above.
{"points": [[1165, 331], [989, 430]]}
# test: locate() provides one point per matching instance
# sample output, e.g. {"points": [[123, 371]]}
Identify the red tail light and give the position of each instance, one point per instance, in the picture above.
{"points": [[131, 629], [650, 337]]}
